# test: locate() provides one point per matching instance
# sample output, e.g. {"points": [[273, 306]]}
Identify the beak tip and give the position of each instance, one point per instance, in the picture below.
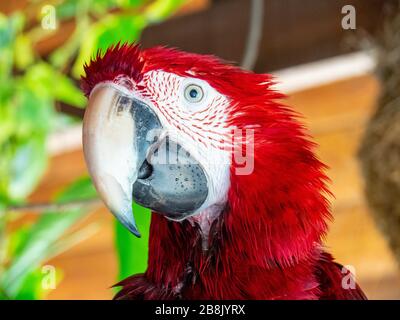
{"points": [[136, 232], [133, 229], [128, 222]]}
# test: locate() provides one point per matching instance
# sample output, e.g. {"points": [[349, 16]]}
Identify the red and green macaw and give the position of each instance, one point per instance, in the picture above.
{"points": [[238, 197]]}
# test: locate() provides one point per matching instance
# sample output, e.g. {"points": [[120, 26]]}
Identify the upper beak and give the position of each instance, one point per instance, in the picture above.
{"points": [[114, 148]]}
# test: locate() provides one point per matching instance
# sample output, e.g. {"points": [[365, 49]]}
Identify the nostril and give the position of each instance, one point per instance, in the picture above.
{"points": [[145, 171]]}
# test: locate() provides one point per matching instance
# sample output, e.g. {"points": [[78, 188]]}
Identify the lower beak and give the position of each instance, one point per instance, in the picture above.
{"points": [[113, 147]]}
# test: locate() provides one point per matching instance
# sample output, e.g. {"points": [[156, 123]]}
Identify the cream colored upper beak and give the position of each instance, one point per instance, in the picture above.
{"points": [[109, 150]]}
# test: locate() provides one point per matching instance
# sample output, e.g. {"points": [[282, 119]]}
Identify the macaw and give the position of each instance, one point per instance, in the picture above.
{"points": [[238, 197]]}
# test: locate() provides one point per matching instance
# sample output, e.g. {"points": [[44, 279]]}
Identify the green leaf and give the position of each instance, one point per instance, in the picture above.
{"points": [[66, 91], [23, 52], [120, 28], [33, 111], [71, 8], [36, 248], [27, 166], [81, 189], [42, 240], [7, 111], [16, 239], [132, 251], [25, 119], [110, 30], [31, 288], [9, 28], [67, 9], [131, 3], [45, 81], [159, 10]]}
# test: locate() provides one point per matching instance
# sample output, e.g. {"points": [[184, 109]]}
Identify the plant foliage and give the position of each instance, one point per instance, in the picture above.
{"points": [[32, 86]]}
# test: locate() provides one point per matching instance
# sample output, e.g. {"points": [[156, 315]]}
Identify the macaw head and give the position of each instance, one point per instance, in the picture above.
{"points": [[152, 123], [183, 134]]}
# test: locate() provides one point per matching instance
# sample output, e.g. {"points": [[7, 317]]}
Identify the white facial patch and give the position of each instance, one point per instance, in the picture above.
{"points": [[193, 114]]}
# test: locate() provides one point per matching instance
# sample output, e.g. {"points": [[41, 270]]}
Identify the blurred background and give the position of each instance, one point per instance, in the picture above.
{"points": [[338, 61]]}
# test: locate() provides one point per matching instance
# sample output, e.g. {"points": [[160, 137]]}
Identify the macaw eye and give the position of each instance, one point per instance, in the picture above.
{"points": [[193, 93]]}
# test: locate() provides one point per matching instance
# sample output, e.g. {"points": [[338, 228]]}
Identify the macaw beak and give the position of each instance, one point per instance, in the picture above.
{"points": [[110, 153], [120, 143]]}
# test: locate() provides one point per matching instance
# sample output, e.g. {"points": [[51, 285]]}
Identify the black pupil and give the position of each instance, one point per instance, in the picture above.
{"points": [[193, 93]]}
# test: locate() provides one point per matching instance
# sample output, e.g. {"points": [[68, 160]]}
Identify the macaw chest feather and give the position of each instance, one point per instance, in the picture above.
{"points": [[232, 267], [181, 268]]}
